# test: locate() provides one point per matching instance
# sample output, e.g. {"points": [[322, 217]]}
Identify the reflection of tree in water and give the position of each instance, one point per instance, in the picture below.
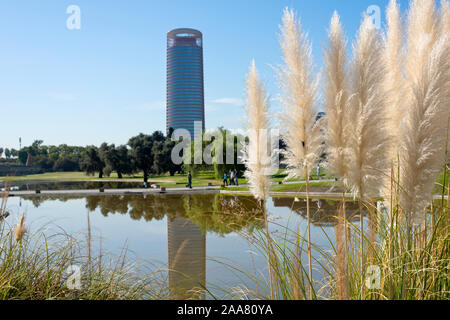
{"points": [[37, 201], [138, 206], [223, 214], [323, 212], [156, 206], [218, 213]]}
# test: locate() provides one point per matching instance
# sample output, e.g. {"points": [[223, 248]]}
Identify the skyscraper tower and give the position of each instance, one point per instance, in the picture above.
{"points": [[185, 92]]}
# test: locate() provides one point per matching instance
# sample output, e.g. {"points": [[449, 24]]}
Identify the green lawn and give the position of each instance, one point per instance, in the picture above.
{"points": [[57, 176], [178, 180], [163, 180], [301, 187]]}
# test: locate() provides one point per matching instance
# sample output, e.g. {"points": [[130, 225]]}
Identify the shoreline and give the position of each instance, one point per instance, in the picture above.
{"points": [[195, 190]]}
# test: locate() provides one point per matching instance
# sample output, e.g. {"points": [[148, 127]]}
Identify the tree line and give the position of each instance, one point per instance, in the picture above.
{"points": [[149, 154], [8, 153], [145, 153]]}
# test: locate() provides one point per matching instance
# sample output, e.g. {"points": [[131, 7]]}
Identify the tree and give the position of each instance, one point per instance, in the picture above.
{"points": [[162, 156], [92, 162], [1, 152], [66, 164], [35, 147], [223, 165], [23, 156], [14, 153], [141, 151], [116, 159], [7, 153]]}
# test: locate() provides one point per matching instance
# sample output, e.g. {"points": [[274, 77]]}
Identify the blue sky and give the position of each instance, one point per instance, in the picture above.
{"points": [[106, 81]]}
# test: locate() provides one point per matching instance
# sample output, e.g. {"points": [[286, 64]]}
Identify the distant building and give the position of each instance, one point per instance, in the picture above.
{"points": [[185, 91]]}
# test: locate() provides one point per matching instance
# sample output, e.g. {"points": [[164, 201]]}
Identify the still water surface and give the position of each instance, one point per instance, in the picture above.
{"points": [[194, 236]]}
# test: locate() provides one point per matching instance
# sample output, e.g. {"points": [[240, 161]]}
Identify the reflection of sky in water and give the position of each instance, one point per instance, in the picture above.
{"points": [[147, 241]]}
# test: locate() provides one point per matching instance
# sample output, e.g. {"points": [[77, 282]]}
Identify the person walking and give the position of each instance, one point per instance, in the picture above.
{"points": [[318, 171], [232, 177], [225, 179], [236, 177], [189, 185]]}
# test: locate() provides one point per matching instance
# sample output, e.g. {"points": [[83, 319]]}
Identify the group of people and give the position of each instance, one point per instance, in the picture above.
{"points": [[231, 178]]}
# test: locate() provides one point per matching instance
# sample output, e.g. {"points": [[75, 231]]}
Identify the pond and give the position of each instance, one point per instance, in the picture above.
{"points": [[197, 238], [70, 185]]}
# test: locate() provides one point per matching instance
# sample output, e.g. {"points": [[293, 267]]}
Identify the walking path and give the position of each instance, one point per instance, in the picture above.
{"points": [[97, 192], [183, 190]]}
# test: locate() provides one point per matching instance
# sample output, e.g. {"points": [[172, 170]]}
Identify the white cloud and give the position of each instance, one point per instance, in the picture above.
{"points": [[233, 101]]}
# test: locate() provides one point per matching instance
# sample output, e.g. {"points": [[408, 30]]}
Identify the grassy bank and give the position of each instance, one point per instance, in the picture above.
{"points": [[35, 266], [40, 267]]}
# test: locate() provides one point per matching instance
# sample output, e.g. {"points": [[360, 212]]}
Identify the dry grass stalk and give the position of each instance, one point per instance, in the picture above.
{"points": [[368, 137], [336, 91], [301, 130], [256, 154]]}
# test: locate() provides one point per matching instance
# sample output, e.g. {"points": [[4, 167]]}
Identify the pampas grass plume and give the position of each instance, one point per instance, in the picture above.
{"points": [[256, 154], [336, 89], [19, 229], [369, 140], [301, 132], [424, 130]]}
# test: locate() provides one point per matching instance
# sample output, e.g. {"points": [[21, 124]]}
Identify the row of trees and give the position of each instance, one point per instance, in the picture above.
{"points": [[149, 154], [220, 162], [145, 153], [8, 153]]}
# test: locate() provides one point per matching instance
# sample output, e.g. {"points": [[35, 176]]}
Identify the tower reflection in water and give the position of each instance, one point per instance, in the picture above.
{"points": [[187, 259]]}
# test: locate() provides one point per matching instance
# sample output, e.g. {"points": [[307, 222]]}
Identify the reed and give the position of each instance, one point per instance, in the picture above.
{"points": [[395, 86], [301, 130], [336, 92], [258, 156], [369, 140]]}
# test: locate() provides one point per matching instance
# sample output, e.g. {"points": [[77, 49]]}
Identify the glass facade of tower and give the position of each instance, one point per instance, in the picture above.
{"points": [[185, 92]]}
